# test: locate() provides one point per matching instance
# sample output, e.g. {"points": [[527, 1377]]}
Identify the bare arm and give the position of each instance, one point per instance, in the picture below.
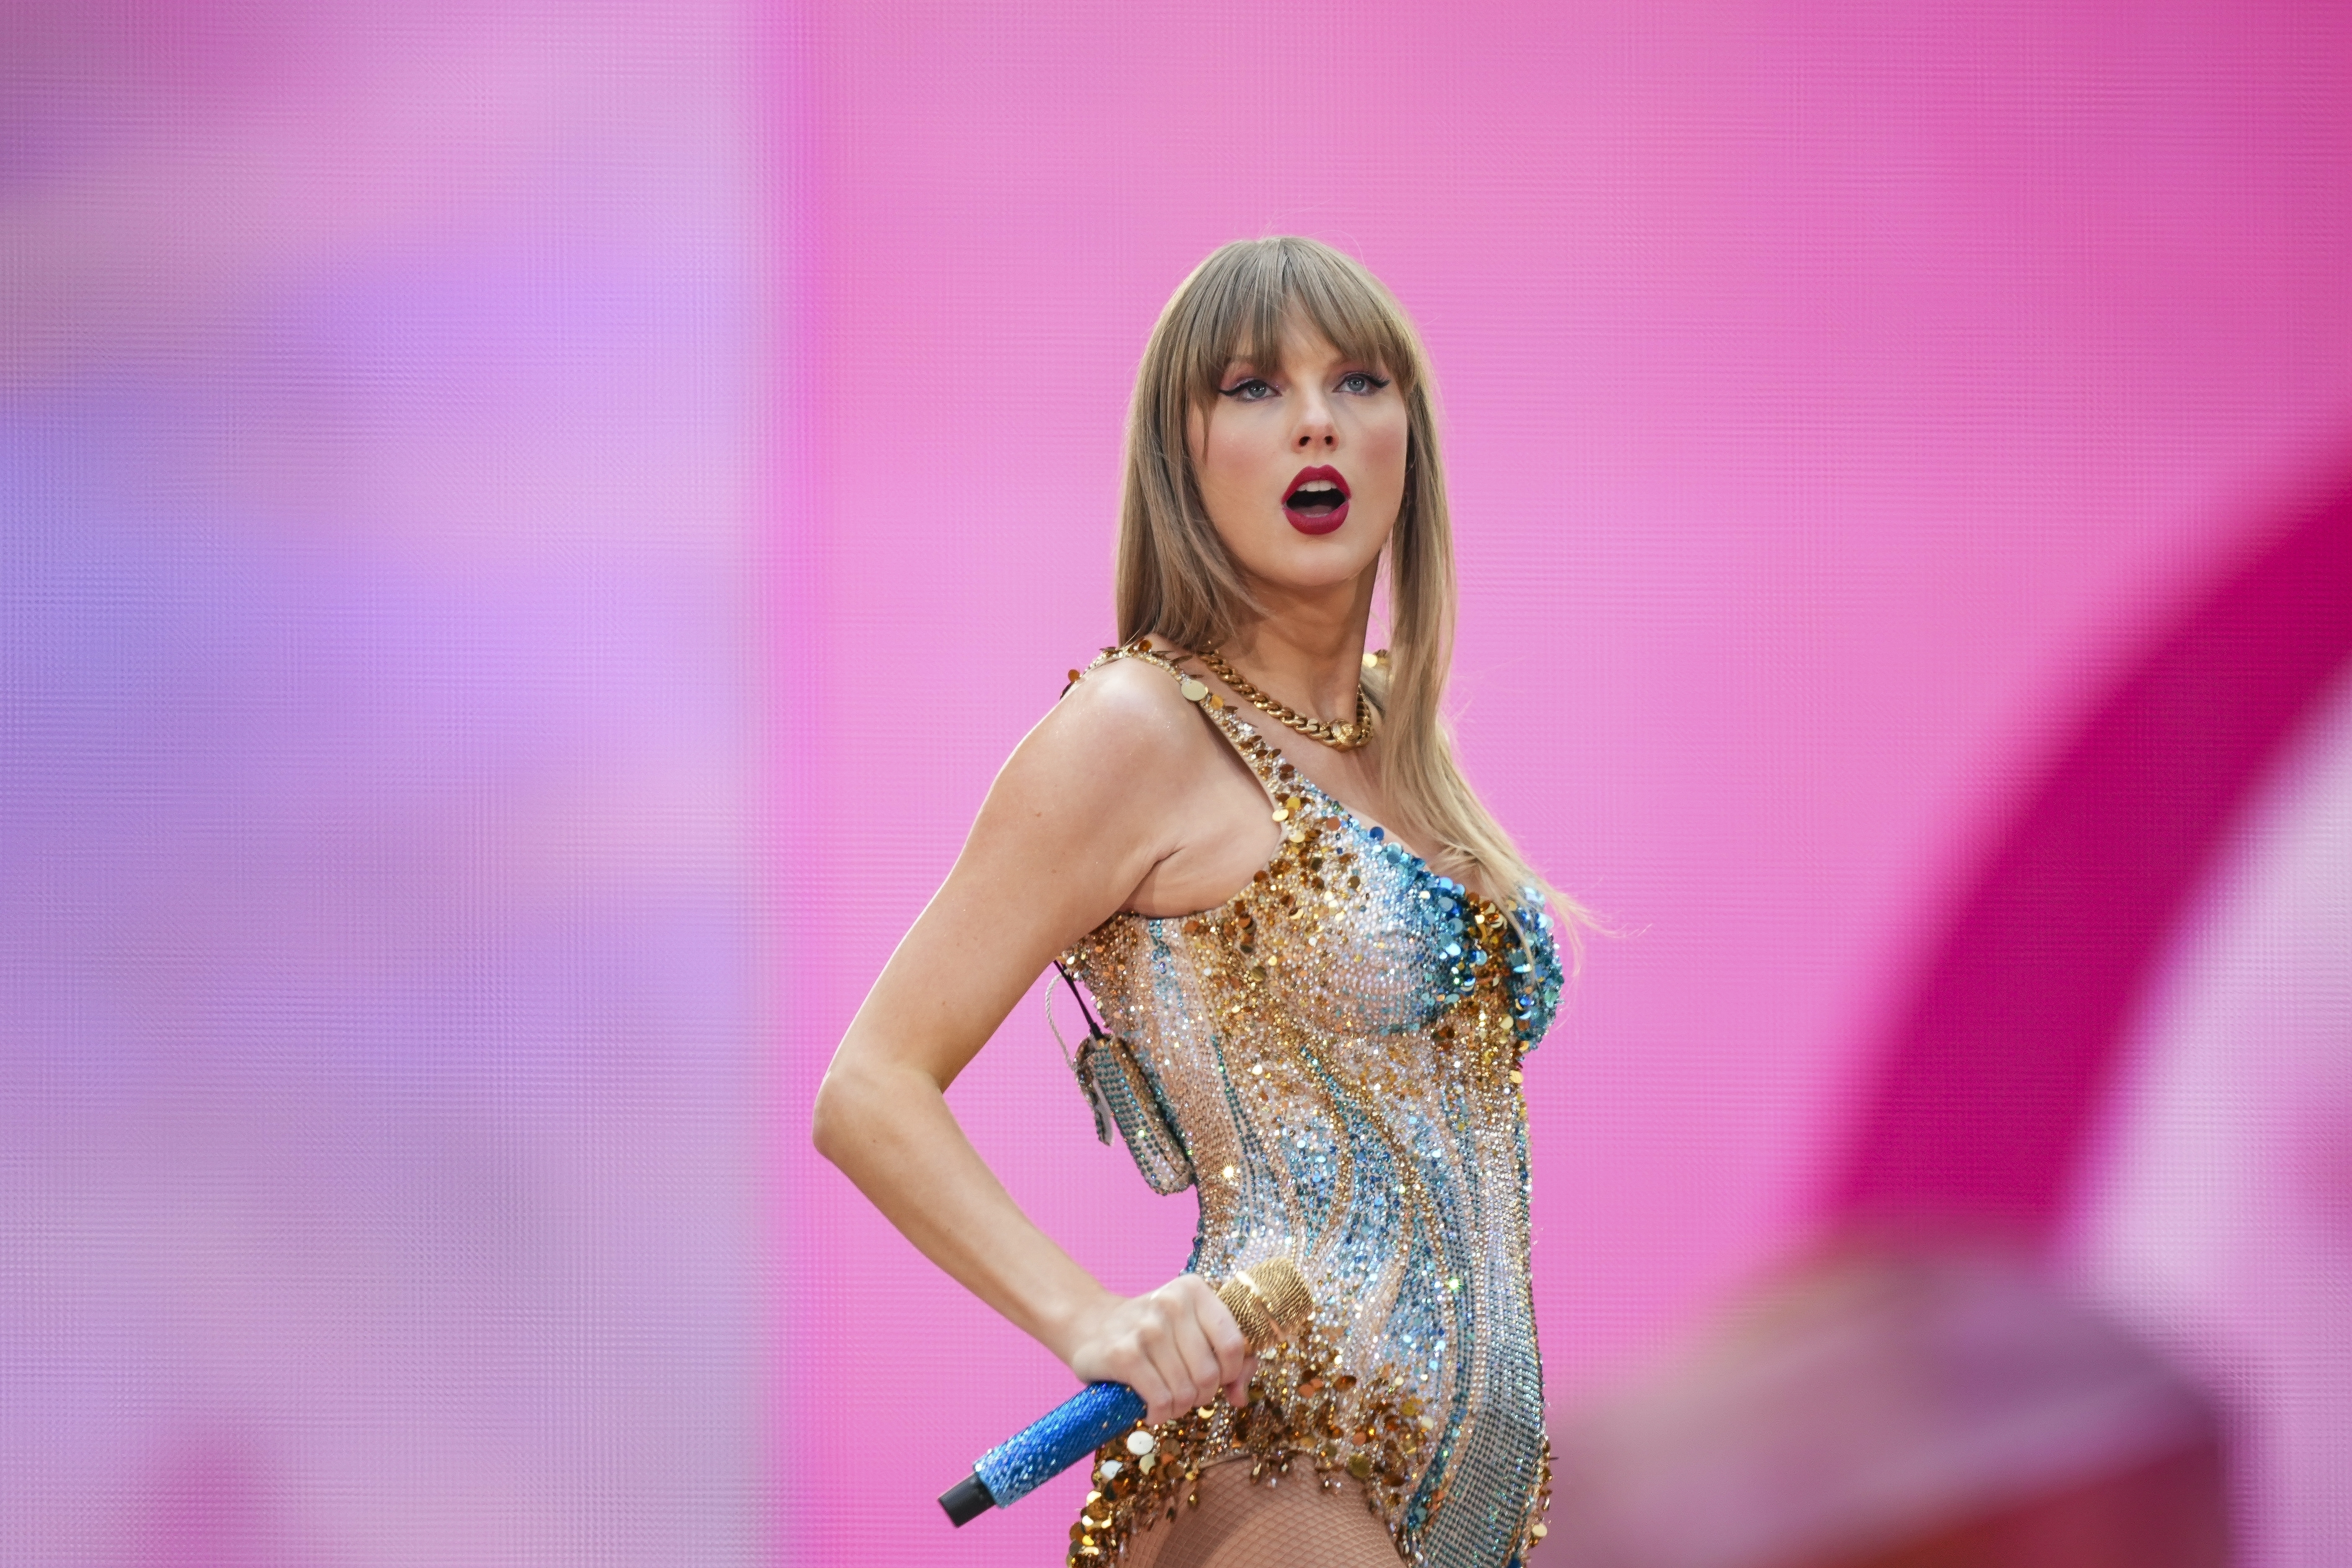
{"points": [[1066, 835]]}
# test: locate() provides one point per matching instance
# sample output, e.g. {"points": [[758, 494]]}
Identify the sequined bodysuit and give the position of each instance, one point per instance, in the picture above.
{"points": [[1335, 1050]]}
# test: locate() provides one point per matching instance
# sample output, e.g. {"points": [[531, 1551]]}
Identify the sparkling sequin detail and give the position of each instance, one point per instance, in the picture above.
{"points": [[1338, 1048], [1099, 1413]]}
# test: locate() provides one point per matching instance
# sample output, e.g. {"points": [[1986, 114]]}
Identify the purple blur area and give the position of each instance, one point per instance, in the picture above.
{"points": [[526, 531], [381, 1032]]}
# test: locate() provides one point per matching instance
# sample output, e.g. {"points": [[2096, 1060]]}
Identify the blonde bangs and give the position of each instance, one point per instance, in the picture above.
{"points": [[1242, 309]]}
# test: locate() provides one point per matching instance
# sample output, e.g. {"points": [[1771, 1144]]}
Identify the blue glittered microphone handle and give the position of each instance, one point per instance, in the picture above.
{"points": [[1070, 1431], [1269, 1302]]}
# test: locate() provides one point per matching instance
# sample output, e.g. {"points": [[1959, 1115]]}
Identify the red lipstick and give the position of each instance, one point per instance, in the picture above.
{"points": [[1317, 500]]}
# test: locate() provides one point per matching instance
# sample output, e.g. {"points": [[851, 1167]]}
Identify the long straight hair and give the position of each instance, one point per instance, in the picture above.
{"points": [[1178, 583]]}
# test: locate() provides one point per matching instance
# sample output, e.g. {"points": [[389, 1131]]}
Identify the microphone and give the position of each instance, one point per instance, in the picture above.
{"points": [[1270, 1302]]}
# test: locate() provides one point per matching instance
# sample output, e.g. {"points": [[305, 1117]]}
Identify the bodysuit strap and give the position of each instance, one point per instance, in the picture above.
{"points": [[1273, 771]]}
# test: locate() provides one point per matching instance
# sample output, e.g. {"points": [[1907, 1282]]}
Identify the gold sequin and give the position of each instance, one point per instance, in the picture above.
{"points": [[1378, 1146]]}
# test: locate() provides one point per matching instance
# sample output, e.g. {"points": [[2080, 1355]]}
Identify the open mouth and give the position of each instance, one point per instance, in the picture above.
{"points": [[1317, 501]]}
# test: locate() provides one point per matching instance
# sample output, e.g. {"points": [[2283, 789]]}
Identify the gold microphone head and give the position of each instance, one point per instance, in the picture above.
{"points": [[1269, 1301]]}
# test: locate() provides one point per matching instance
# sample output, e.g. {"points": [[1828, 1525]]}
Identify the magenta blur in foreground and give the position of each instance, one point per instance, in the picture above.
{"points": [[1897, 1407]]}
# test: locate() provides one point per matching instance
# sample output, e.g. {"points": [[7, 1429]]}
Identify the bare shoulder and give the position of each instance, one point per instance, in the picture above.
{"points": [[1123, 796], [1122, 721], [1098, 768]]}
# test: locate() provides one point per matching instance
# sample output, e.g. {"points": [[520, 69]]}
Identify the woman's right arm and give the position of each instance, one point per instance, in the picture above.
{"points": [[1072, 824]]}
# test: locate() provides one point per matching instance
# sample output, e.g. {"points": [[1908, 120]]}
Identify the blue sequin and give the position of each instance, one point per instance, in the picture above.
{"points": [[1337, 1047]]}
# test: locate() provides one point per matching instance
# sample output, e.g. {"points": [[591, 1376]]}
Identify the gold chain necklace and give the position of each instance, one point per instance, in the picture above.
{"points": [[1338, 737]]}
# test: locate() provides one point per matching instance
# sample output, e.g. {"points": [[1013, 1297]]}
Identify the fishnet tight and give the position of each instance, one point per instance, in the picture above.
{"points": [[1294, 1523]]}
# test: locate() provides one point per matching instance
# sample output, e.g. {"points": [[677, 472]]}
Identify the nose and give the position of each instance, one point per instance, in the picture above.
{"points": [[1316, 428]]}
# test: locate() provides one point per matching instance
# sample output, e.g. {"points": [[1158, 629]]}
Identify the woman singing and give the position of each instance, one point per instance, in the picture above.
{"points": [[1317, 959]]}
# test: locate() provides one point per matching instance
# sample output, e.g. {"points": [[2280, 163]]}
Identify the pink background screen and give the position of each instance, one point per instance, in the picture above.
{"points": [[1838, 399]]}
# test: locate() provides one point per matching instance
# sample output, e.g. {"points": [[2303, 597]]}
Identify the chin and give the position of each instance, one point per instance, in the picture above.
{"points": [[1313, 564], [1283, 557]]}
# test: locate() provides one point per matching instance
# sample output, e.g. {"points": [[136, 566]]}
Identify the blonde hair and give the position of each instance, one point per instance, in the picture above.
{"points": [[1178, 583]]}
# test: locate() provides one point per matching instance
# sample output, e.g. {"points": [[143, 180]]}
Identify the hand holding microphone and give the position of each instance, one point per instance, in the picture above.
{"points": [[1168, 1350], [1174, 1346]]}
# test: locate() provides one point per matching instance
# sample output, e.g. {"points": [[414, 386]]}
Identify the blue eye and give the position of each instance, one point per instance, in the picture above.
{"points": [[1248, 390], [1362, 382]]}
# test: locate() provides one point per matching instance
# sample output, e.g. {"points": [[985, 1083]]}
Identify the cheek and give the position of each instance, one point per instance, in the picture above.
{"points": [[1239, 466], [1220, 457], [1221, 475], [1385, 441]]}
